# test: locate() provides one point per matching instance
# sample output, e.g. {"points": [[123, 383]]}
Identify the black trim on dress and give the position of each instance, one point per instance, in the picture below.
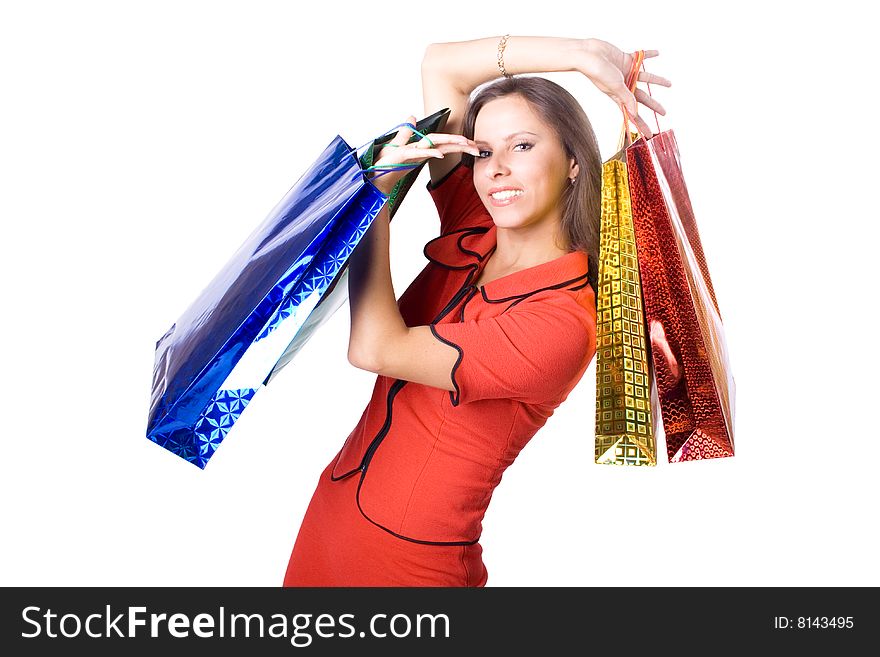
{"points": [[523, 295], [465, 232], [393, 533], [386, 427], [454, 395], [581, 287], [454, 398], [464, 305]]}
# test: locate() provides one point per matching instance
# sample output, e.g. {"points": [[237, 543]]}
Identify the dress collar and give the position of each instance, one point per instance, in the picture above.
{"points": [[468, 250]]}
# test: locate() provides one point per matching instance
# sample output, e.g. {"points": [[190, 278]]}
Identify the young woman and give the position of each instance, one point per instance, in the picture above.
{"points": [[491, 336]]}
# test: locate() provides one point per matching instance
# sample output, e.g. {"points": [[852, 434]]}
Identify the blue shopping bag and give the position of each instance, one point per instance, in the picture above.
{"points": [[268, 299]]}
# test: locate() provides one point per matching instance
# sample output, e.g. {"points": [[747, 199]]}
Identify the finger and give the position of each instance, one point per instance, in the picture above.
{"points": [[446, 138], [643, 127], [433, 139], [626, 98], [652, 78], [414, 153], [650, 102], [448, 146], [455, 147], [404, 133]]}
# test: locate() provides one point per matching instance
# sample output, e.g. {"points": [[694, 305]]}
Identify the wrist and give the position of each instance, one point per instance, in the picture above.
{"points": [[386, 183], [584, 54]]}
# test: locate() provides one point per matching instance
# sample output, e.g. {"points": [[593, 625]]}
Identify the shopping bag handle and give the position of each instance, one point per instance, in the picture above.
{"points": [[388, 168], [627, 137]]}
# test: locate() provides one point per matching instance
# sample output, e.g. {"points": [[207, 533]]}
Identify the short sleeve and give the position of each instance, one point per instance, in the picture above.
{"points": [[457, 201], [534, 352]]}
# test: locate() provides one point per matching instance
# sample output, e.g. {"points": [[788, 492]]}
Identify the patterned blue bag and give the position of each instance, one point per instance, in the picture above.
{"points": [[266, 302]]}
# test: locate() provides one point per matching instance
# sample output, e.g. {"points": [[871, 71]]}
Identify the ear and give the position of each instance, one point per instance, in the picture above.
{"points": [[574, 169]]}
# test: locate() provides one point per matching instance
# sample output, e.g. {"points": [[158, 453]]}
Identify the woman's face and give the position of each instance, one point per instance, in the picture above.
{"points": [[519, 152]]}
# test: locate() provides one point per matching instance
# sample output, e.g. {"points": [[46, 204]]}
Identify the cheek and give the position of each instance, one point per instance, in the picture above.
{"points": [[545, 192], [542, 177]]}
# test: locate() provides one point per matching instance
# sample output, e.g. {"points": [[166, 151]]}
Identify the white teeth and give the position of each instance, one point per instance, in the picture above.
{"points": [[507, 193]]}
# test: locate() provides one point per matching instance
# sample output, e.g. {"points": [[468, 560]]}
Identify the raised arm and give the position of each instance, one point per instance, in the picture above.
{"points": [[380, 341], [451, 71]]}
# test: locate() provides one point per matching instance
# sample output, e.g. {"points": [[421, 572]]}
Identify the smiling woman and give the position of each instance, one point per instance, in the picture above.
{"points": [[553, 201], [490, 338]]}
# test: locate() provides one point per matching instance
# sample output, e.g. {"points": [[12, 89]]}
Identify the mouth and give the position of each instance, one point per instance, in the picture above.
{"points": [[505, 197]]}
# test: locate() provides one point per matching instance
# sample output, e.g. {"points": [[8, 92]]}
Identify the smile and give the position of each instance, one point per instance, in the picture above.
{"points": [[506, 194]]}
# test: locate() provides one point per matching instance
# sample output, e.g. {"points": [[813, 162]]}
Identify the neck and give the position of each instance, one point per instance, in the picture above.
{"points": [[528, 246]]}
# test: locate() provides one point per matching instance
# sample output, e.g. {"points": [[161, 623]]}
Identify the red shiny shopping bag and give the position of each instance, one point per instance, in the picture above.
{"points": [[694, 383]]}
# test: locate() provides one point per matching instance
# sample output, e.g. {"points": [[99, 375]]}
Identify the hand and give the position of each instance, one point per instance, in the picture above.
{"points": [[398, 151], [607, 67]]}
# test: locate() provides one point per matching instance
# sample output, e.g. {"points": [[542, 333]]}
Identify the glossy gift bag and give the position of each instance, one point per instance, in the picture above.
{"points": [[265, 303], [624, 421], [694, 380]]}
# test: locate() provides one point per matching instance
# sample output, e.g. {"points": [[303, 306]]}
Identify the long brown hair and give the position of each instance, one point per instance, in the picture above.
{"points": [[582, 201]]}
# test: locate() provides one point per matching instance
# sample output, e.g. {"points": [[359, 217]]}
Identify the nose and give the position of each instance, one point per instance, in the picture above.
{"points": [[496, 167]]}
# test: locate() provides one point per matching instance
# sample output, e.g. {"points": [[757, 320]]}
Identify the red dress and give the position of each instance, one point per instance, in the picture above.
{"points": [[402, 502]]}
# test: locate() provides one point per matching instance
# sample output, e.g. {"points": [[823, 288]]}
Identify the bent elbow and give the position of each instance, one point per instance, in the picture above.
{"points": [[361, 360], [430, 56]]}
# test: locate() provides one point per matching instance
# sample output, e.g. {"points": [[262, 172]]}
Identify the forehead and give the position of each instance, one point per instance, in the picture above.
{"points": [[500, 117]]}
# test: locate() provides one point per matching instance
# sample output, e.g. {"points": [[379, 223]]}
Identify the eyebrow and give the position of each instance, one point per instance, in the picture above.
{"points": [[508, 137]]}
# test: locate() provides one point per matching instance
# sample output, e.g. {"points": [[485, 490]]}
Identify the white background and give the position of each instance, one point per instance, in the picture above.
{"points": [[141, 144]]}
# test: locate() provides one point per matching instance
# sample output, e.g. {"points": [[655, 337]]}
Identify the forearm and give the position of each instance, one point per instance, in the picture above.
{"points": [[375, 317], [469, 64]]}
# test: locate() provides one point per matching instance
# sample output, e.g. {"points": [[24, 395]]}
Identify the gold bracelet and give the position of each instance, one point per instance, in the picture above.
{"points": [[501, 46]]}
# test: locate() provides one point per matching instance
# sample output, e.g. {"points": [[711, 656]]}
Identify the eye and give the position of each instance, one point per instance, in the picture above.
{"points": [[528, 146]]}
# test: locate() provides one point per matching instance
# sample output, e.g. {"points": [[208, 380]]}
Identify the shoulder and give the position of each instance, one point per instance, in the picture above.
{"points": [[568, 305]]}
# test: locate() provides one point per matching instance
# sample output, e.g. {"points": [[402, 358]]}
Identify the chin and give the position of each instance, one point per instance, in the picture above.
{"points": [[510, 220]]}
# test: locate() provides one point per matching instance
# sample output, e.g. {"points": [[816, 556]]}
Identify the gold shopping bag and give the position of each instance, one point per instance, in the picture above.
{"points": [[624, 420]]}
